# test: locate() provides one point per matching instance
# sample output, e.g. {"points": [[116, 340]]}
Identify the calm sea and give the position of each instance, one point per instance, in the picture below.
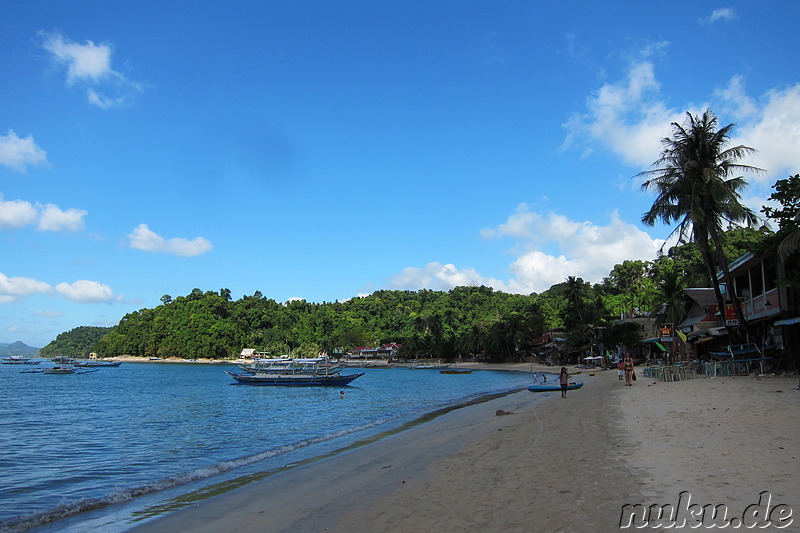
{"points": [[106, 449]]}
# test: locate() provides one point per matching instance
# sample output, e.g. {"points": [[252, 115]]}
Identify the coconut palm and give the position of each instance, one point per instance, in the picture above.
{"points": [[694, 188], [575, 294]]}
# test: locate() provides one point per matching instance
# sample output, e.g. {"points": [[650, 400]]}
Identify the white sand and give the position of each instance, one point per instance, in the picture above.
{"points": [[553, 465]]}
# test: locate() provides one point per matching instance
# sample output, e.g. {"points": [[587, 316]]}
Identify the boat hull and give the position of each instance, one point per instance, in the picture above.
{"points": [[553, 387], [289, 380]]}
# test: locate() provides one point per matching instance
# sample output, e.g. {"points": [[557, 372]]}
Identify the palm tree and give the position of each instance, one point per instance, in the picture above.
{"points": [[671, 307], [575, 294], [694, 188]]}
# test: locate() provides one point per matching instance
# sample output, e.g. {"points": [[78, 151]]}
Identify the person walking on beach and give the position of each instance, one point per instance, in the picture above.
{"points": [[627, 366], [620, 369], [563, 378]]}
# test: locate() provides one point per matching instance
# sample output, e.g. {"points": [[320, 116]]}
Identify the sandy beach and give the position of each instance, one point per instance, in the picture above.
{"points": [[536, 462]]}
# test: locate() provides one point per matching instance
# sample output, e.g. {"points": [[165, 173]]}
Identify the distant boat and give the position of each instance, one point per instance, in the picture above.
{"points": [[455, 371], [96, 364], [59, 369], [555, 386], [19, 360]]}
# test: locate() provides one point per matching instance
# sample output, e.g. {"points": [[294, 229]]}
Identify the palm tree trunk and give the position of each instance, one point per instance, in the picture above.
{"points": [[701, 237]]}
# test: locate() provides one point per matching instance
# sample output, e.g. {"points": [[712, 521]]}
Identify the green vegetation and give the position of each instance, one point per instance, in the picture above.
{"points": [[466, 321], [78, 342], [695, 188]]}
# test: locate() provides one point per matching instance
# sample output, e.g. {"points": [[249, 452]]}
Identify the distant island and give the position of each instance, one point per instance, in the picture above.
{"points": [[18, 348]]}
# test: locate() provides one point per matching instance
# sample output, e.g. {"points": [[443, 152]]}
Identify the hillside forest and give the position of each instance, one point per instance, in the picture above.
{"points": [[465, 321]]}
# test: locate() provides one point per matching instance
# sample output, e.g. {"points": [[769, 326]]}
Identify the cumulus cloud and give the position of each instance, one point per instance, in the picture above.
{"points": [[17, 213], [773, 128], [143, 238], [84, 291], [626, 118], [437, 276], [17, 153], [47, 217], [549, 247], [89, 64], [629, 119], [13, 289], [54, 218]]}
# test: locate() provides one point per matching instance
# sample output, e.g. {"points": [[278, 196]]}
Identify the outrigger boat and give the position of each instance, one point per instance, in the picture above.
{"points": [[284, 365], [317, 371], [295, 380]]}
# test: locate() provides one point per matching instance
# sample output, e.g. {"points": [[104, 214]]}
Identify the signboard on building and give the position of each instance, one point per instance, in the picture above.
{"points": [[665, 332], [730, 316]]}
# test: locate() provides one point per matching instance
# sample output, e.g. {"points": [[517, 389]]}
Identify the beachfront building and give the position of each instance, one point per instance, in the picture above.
{"points": [[385, 353], [769, 308], [549, 348]]}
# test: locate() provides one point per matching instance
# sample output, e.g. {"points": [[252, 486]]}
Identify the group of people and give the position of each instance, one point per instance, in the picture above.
{"points": [[625, 369]]}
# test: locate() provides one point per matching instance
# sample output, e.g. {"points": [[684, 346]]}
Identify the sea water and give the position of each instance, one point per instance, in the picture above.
{"points": [[103, 450]]}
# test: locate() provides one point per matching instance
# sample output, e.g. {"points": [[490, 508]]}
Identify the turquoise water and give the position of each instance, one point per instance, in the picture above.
{"points": [[116, 445]]}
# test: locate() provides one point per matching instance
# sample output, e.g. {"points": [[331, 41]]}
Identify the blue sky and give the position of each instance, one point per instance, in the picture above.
{"points": [[325, 150]]}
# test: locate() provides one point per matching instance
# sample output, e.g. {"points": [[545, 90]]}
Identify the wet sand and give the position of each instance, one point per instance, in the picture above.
{"points": [[536, 462]]}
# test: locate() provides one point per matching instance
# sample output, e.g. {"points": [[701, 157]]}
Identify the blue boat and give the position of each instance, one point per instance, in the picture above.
{"points": [[554, 387], [294, 380]]}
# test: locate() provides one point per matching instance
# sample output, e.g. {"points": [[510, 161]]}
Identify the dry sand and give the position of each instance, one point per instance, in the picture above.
{"points": [[551, 465]]}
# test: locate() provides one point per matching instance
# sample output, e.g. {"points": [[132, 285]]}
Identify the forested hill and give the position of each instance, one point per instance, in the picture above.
{"points": [[76, 342], [18, 348], [211, 325], [462, 321]]}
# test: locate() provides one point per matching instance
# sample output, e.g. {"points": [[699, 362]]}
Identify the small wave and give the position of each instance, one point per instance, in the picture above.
{"points": [[121, 495], [67, 509]]}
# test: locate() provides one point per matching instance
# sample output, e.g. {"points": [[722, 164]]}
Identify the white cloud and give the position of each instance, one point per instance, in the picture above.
{"points": [[626, 118], [54, 218], [584, 249], [17, 153], [16, 213], [437, 276], [13, 289], [143, 238], [90, 64], [48, 217], [84, 61], [84, 291], [724, 13], [629, 119], [773, 128], [48, 314]]}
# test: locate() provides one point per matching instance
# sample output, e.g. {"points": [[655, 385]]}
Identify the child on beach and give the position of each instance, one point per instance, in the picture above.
{"points": [[563, 378]]}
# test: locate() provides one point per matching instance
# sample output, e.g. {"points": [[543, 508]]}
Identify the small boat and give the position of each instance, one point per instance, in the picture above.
{"points": [[19, 360], [309, 379], [551, 387], [59, 369], [96, 364], [455, 371]]}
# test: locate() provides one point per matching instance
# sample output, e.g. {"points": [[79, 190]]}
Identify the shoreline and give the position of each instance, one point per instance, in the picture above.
{"points": [[416, 479], [532, 461]]}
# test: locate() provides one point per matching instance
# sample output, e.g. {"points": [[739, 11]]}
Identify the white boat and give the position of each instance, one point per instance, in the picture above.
{"points": [[19, 360], [288, 366]]}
